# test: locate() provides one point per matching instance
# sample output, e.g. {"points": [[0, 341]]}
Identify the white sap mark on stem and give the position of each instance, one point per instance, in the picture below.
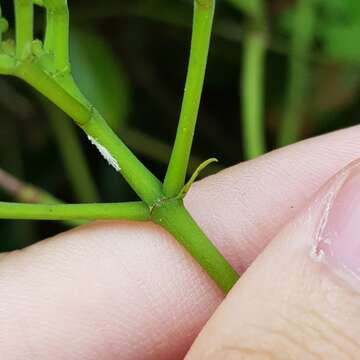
{"points": [[106, 154]]}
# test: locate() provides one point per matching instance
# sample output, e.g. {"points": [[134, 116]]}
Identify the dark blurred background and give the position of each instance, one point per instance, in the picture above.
{"points": [[130, 58]]}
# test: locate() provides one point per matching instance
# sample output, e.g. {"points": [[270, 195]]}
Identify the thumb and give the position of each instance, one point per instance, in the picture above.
{"points": [[300, 299]]}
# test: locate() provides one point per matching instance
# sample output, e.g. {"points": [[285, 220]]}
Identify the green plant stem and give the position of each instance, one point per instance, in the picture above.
{"points": [[57, 32], [162, 208], [127, 211], [49, 37], [252, 77], [200, 42], [252, 93], [27, 193], [144, 183], [24, 18], [72, 155], [302, 40], [173, 217]]}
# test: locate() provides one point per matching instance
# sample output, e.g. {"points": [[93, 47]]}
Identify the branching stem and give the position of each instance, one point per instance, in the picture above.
{"points": [[161, 203], [136, 174]]}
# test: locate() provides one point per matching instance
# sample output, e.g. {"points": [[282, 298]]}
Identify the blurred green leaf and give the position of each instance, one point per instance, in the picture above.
{"points": [[100, 77], [338, 28], [340, 43]]}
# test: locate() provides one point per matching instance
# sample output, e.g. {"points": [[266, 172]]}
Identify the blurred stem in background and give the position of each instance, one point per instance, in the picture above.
{"points": [[252, 94], [299, 72], [72, 155], [252, 81], [252, 78]]}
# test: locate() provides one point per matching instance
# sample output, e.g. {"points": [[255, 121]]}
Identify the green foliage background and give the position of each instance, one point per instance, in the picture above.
{"points": [[130, 59]]}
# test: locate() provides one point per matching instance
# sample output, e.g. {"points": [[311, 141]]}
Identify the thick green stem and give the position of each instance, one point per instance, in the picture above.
{"points": [[252, 92], [202, 26], [173, 217], [24, 21], [302, 40], [136, 174], [126, 211], [72, 155]]}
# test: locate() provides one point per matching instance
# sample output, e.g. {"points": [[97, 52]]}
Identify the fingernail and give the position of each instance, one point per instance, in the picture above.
{"points": [[338, 241]]}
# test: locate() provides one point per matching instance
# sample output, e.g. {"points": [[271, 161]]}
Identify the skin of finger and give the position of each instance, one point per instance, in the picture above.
{"points": [[105, 291], [127, 290], [286, 306]]}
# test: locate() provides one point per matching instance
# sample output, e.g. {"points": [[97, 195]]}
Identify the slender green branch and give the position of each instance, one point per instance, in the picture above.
{"points": [[49, 38], [202, 26], [57, 32], [252, 93], [126, 211], [136, 174], [73, 156], [173, 217], [302, 40], [27, 193], [24, 22]]}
